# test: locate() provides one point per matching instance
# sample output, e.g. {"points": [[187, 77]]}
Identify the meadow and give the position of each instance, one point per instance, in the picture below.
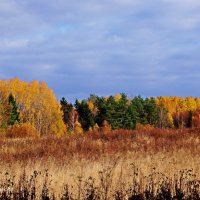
{"points": [[143, 164]]}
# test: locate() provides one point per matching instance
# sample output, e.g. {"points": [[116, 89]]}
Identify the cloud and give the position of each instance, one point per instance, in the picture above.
{"points": [[82, 47]]}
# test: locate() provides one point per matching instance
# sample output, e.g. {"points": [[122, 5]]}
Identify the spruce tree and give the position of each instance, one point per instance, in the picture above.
{"points": [[86, 118], [14, 114], [66, 108]]}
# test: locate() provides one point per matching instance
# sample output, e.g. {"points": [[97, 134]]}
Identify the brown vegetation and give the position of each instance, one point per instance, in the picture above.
{"points": [[114, 165], [25, 130]]}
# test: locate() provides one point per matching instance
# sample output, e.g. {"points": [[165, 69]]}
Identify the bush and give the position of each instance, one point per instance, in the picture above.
{"points": [[78, 128], [2, 132], [25, 130], [106, 127], [143, 127]]}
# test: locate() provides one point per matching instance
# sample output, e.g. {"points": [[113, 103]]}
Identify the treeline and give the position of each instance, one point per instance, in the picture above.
{"points": [[32, 109], [121, 112]]}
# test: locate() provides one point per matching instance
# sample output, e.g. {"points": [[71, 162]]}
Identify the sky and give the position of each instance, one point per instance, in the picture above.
{"points": [[103, 47]]}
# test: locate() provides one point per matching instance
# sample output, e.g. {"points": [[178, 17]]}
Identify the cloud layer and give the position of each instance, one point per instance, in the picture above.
{"points": [[79, 47]]}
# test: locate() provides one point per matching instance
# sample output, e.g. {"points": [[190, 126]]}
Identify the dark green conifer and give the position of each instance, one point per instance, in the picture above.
{"points": [[14, 114]]}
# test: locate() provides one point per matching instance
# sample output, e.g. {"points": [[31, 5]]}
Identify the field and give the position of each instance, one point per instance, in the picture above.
{"points": [[145, 164]]}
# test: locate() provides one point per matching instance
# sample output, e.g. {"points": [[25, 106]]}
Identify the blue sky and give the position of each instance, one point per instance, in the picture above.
{"points": [[147, 47]]}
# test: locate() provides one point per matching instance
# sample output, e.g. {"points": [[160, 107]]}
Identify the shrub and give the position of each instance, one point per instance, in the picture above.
{"points": [[25, 130], [78, 128], [96, 128], [106, 127], [2, 132], [144, 127]]}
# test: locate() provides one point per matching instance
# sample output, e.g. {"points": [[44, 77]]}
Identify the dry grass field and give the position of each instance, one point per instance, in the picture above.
{"points": [[146, 164]]}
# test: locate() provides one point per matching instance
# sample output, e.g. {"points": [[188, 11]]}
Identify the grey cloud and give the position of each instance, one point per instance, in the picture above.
{"points": [[82, 47]]}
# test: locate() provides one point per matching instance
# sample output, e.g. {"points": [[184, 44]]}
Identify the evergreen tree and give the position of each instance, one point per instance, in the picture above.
{"points": [[101, 104], [137, 104], [115, 111], [152, 111], [14, 114], [112, 116], [66, 108], [86, 118], [132, 115]]}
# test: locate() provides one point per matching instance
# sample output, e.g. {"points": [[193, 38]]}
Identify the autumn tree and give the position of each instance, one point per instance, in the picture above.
{"points": [[180, 110], [196, 118], [73, 118], [36, 104], [92, 104], [165, 119]]}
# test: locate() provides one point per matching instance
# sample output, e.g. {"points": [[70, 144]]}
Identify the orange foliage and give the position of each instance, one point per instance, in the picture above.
{"points": [[78, 128], [96, 128], [143, 127], [106, 127], [25, 130], [196, 118]]}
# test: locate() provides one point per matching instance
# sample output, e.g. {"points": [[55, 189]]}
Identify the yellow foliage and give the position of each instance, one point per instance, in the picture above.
{"points": [[90, 129], [144, 127], [177, 107], [78, 128], [191, 103], [106, 98], [37, 105], [177, 104], [170, 120], [92, 107], [96, 128], [197, 100], [117, 97]]}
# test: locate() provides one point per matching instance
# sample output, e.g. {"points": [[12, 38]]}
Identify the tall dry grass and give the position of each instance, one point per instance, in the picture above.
{"points": [[114, 165]]}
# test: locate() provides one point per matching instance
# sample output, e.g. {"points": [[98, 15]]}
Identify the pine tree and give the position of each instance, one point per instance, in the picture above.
{"points": [[86, 117], [152, 111], [14, 114], [66, 108]]}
